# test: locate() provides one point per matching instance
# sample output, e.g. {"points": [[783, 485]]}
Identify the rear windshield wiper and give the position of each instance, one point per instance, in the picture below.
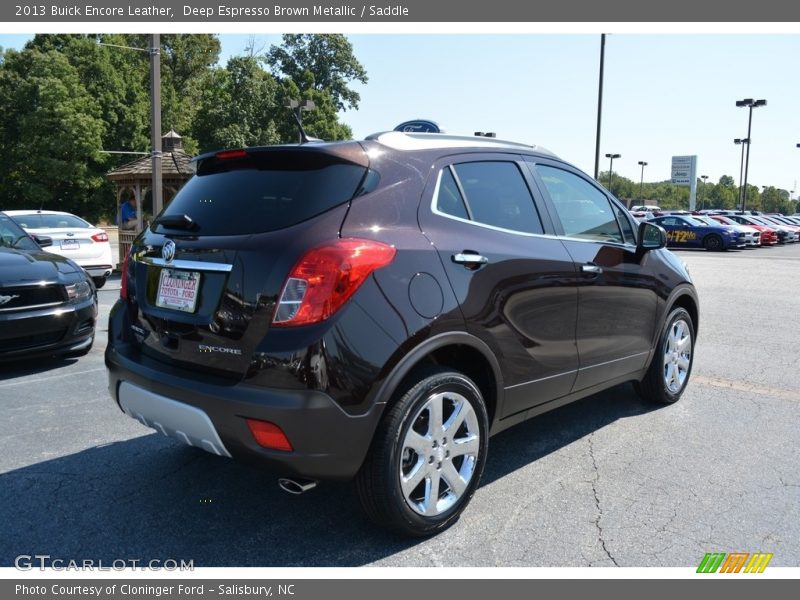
{"points": [[179, 221]]}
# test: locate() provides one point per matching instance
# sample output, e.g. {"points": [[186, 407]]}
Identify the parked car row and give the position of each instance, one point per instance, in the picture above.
{"points": [[72, 237], [723, 229], [48, 303]]}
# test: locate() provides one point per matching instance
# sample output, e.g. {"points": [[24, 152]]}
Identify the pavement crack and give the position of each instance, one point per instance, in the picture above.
{"points": [[598, 519]]}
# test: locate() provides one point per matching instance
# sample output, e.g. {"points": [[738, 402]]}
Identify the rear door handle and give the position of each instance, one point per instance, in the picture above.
{"points": [[591, 269], [468, 258]]}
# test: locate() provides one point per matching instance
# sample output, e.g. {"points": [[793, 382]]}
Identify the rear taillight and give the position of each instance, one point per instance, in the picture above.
{"points": [[325, 278], [100, 237], [123, 284]]}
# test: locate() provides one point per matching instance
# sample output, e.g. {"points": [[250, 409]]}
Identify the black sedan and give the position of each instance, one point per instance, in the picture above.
{"points": [[48, 305]]}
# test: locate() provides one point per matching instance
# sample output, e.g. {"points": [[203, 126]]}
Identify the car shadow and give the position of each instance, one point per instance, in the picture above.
{"points": [[152, 498], [33, 366]]}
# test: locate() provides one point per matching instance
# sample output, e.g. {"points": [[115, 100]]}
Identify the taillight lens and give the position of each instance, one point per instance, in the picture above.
{"points": [[123, 284], [325, 277], [100, 237]]}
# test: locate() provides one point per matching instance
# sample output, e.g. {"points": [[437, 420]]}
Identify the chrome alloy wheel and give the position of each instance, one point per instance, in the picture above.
{"points": [[439, 453], [677, 355]]}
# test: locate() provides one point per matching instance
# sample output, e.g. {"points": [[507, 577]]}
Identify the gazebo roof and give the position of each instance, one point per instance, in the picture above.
{"points": [[174, 163]]}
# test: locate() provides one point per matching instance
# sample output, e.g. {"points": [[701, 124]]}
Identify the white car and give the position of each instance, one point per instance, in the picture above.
{"points": [[72, 237]]}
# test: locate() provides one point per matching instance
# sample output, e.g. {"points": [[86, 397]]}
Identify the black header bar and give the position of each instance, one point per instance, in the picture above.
{"points": [[397, 11]]}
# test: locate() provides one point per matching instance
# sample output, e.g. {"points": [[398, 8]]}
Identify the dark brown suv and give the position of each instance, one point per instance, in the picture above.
{"points": [[378, 309]]}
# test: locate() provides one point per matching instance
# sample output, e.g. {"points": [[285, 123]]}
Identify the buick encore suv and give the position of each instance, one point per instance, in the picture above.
{"points": [[376, 310]]}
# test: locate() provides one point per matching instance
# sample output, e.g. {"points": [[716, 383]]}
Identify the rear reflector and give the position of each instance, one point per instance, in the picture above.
{"points": [[269, 435], [100, 237]]}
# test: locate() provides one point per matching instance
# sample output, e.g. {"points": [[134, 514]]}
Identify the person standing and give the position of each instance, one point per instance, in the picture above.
{"points": [[127, 216]]}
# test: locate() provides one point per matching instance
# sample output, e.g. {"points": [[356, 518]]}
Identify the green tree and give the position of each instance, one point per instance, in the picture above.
{"points": [[237, 107], [319, 62], [51, 130]]}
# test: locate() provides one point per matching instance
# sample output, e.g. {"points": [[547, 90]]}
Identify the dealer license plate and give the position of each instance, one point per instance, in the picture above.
{"points": [[178, 290], [70, 244]]}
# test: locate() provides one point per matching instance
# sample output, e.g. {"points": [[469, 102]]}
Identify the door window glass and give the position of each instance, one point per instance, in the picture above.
{"points": [[584, 211]]}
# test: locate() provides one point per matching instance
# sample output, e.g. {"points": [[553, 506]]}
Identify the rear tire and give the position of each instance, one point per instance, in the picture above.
{"points": [[672, 364], [427, 456]]}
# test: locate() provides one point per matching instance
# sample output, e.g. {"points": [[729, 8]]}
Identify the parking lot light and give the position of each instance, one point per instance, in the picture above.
{"points": [[751, 104], [641, 182], [611, 167]]}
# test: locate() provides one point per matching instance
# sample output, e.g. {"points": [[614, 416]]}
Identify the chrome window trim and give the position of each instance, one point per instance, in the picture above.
{"points": [[436, 211], [189, 265]]}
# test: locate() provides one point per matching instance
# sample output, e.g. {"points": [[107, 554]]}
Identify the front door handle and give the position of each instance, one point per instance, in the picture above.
{"points": [[468, 258], [591, 269]]}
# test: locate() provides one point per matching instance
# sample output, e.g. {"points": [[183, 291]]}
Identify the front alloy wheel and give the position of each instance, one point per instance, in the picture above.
{"points": [[427, 456]]}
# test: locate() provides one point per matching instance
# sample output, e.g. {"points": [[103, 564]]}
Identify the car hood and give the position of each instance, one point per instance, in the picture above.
{"points": [[18, 266]]}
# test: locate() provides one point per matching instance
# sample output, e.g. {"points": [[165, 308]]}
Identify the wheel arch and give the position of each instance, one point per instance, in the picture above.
{"points": [[460, 351]]}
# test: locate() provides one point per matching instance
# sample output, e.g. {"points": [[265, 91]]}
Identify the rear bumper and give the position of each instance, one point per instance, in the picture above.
{"points": [[327, 442]]}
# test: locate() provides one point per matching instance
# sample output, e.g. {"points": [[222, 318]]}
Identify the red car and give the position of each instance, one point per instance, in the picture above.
{"points": [[769, 237]]}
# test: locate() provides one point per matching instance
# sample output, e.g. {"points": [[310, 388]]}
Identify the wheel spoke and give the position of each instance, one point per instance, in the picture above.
{"points": [[453, 479], [410, 482], [468, 445], [684, 344], [435, 412], [431, 499], [683, 363], [418, 443], [461, 412]]}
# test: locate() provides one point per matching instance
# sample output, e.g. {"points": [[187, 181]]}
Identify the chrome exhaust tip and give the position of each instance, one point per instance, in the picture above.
{"points": [[296, 486]]}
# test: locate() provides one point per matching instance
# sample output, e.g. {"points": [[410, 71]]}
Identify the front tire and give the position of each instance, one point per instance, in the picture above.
{"points": [[713, 243], [427, 456], [671, 367]]}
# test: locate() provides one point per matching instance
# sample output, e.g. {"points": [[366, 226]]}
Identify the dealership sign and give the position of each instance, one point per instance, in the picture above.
{"points": [[684, 170]]}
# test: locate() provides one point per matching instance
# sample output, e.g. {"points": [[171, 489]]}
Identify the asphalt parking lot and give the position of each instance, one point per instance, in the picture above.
{"points": [[606, 481]]}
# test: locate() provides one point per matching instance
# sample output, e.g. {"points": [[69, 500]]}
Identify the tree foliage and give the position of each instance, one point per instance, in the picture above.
{"points": [[64, 99], [317, 63]]}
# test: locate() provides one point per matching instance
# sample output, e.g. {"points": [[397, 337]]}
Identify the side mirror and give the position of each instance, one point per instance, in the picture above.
{"points": [[43, 240], [651, 237]]}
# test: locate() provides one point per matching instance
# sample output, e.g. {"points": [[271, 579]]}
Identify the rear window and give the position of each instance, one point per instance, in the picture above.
{"points": [[45, 221], [264, 192]]}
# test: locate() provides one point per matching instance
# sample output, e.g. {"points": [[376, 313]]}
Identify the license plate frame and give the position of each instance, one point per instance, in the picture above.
{"points": [[174, 294], [70, 244]]}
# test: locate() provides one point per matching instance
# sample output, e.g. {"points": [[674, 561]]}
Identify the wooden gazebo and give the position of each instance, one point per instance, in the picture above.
{"points": [[136, 178]]}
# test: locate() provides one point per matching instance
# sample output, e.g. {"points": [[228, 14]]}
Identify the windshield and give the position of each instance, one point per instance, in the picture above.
{"points": [[12, 236]]}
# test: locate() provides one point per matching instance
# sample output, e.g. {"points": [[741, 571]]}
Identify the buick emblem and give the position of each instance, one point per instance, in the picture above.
{"points": [[168, 251]]}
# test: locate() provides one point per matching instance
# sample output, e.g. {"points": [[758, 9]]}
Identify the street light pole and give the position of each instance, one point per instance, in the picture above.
{"points": [[155, 121], [641, 182], [611, 168], [751, 104], [599, 106], [741, 141], [703, 192]]}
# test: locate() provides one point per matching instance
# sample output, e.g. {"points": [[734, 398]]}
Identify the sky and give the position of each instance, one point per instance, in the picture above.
{"points": [[664, 94]]}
